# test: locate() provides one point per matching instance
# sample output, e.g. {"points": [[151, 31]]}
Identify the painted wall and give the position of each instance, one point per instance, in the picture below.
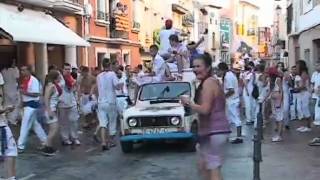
{"points": [[309, 19]]}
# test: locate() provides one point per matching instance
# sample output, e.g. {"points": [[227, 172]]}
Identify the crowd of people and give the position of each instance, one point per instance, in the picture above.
{"points": [[69, 95]]}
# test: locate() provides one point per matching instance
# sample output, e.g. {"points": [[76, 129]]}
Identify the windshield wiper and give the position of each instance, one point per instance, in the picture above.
{"points": [[182, 93]]}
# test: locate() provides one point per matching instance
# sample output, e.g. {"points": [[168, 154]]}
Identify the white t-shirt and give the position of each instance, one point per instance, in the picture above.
{"points": [[231, 82], [33, 87], [107, 82], [182, 49], [159, 67], [248, 77], [315, 80], [297, 81], [164, 40], [124, 90], [68, 96]]}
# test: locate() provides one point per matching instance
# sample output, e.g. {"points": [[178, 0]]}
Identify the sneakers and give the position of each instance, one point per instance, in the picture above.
{"points": [[66, 143], [303, 129], [48, 151], [20, 151], [237, 140], [315, 142], [316, 123], [77, 142], [276, 139]]}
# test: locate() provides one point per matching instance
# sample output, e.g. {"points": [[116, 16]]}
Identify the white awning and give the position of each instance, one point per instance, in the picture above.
{"points": [[37, 27]]}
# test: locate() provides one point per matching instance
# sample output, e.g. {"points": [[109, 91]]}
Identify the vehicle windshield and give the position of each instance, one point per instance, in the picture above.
{"points": [[160, 91]]}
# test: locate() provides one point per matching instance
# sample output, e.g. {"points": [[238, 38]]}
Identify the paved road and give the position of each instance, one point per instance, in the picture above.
{"points": [[291, 160]]}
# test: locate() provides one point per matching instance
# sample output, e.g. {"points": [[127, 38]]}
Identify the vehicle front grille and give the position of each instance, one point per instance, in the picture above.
{"points": [[154, 121]]}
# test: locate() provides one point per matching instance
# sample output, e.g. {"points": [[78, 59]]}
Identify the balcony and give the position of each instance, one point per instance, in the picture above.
{"points": [[68, 5], [119, 26], [119, 34], [73, 6], [41, 3]]}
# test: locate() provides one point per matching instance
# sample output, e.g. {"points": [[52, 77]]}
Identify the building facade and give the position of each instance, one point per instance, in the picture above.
{"points": [[41, 33], [303, 31], [110, 29]]}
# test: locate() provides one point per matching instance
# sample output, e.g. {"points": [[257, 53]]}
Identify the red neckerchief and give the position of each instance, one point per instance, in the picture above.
{"points": [[70, 82], [24, 83], [58, 87]]}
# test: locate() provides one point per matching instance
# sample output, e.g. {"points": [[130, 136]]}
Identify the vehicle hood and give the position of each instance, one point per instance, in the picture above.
{"points": [[155, 110]]}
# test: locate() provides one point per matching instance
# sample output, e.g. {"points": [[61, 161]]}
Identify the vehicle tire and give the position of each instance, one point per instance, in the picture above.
{"points": [[191, 143], [126, 147]]}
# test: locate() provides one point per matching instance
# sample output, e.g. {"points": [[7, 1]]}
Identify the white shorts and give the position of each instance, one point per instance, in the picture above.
{"points": [[11, 149], [107, 114], [122, 104]]}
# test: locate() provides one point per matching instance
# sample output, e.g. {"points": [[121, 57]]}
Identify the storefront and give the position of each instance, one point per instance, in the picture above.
{"points": [[36, 38]]}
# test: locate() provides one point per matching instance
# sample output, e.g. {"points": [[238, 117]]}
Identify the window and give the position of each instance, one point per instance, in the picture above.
{"points": [[126, 59], [307, 55], [101, 10]]}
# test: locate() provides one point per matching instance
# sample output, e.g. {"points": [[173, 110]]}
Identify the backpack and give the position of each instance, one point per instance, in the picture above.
{"points": [[255, 91]]}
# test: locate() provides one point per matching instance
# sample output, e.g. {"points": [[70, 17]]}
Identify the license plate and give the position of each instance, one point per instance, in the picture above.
{"points": [[155, 131]]}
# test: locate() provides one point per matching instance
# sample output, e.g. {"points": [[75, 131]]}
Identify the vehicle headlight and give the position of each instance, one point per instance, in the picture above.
{"points": [[175, 121], [132, 122]]}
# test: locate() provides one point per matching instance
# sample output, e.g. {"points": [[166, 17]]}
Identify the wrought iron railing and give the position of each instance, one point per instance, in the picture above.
{"points": [[119, 34]]}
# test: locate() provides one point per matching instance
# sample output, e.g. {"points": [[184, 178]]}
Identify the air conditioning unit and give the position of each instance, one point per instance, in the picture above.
{"points": [[88, 10]]}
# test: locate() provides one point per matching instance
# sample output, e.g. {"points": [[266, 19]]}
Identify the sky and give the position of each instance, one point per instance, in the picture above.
{"points": [[266, 8]]}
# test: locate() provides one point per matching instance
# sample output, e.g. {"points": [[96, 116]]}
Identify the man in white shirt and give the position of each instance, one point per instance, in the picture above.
{"points": [[164, 38], [31, 91], [159, 65], [107, 83], [231, 90], [68, 114], [315, 84], [10, 91], [179, 54], [249, 101]]}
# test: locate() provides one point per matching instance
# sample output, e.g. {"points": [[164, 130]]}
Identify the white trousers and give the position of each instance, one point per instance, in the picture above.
{"points": [[107, 114], [29, 120], [303, 102], [233, 113], [250, 108], [68, 123], [286, 109]]}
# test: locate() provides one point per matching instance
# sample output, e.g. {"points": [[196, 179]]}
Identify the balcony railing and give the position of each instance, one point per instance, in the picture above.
{"points": [[68, 5], [136, 25], [119, 34]]}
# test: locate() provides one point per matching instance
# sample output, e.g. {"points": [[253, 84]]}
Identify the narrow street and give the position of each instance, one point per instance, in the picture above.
{"points": [[291, 160]]}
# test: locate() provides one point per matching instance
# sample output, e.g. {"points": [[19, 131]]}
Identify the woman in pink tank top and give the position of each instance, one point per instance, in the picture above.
{"points": [[214, 127]]}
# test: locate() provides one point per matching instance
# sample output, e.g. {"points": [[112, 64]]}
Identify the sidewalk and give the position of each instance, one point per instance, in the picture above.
{"points": [[291, 159]]}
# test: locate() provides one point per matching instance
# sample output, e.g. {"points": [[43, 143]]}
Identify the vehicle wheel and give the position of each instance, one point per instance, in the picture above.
{"points": [[191, 143], [126, 147]]}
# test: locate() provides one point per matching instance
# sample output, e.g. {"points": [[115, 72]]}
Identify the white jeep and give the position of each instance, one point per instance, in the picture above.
{"points": [[159, 115]]}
